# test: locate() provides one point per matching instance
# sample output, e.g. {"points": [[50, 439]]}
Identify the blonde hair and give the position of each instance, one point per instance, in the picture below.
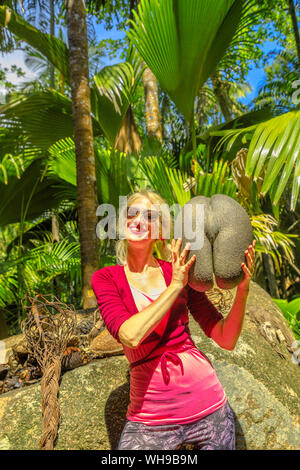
{"points": [[162, 248]]}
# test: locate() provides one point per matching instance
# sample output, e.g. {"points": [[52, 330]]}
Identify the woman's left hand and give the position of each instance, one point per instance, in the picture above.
{"points": [[249, 268]]}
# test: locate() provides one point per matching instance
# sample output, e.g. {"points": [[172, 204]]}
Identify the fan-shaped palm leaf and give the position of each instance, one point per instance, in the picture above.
{"points": [[116, 173], [112, 175], [31, 116], [268, 240], [166, 180], [28, 197], [111, 97], [62, 161], [182, 42], [218, 181], [115, 86]]}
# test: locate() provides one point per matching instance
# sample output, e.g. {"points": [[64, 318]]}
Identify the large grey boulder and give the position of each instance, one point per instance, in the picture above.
{"points": [[260, 379]]}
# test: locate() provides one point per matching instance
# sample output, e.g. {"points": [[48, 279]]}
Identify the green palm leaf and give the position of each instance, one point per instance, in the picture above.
{"points": [[274, 149], [62, 160], [218, 181], [112, 175], [110, 99], [167, 181], [27, 198], [29, 117], [115, 86], [112, 170], [182, 42], [42, 117], [8, 285]]}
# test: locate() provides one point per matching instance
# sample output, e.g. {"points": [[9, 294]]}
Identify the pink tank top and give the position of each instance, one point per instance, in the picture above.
{"points": [[180, 386]]}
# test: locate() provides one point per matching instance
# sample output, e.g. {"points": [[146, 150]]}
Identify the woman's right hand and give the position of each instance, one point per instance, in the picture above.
{"points": [[180, 268]]}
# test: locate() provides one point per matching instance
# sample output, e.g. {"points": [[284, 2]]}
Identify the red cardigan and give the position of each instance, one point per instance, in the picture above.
{"points": [[116, 304]]}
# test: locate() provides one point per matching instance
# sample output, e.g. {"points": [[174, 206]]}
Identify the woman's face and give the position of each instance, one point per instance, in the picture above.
{"points": [[142, 223]]}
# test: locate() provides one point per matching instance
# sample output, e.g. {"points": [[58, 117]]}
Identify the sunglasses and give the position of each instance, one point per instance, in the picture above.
{"points": [[147, 214]]}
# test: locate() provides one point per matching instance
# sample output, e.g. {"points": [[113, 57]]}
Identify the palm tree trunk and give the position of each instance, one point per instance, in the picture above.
{"points": [[153, 117], [222, 97], [84, 146], [295, 27], [269, 268]]}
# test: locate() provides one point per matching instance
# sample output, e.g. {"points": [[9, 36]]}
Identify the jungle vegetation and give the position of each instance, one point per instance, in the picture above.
{"points": [[168, 114]]}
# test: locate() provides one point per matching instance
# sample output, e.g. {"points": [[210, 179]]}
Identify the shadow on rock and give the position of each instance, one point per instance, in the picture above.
{"points": [[115, 412], [240, 441]]}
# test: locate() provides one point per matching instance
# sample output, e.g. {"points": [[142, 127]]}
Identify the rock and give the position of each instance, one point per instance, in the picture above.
{"points": [[104, 343], [6, 346], [260, 380]]}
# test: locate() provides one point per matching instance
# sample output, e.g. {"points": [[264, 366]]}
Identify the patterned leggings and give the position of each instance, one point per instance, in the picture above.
{"points": [[213, 432]]}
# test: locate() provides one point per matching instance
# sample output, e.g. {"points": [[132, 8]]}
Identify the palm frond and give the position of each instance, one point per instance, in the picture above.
{"points": [[111, 175], [62, 160], [274, 149], [166, 180], [115, 86], [268, 240], [11, 165], [182, 42], [42, 118], [8, 285], [27, 198], [218, 181]]}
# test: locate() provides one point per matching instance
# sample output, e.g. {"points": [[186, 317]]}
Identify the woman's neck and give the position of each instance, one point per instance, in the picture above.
{"points": [[138, 259]]}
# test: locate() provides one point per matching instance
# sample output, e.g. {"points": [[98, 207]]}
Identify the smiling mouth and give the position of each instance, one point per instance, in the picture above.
{"points": [[137, 231]]}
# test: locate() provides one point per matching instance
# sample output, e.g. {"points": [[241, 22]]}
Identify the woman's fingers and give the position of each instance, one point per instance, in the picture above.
{"points": [[246, 270], [250, 257], [175, 249], [191, 261], [173, 252], [184, 253]]}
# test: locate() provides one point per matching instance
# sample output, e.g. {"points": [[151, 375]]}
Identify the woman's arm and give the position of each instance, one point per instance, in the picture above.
{"points": [[227, 331], [140, 325], [134, 330]]}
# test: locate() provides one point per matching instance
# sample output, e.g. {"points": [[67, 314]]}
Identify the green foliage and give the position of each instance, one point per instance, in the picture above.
{"points": [[281, 87], [51, 47], [183, 41], [28, 197], [29, 116], [274, 149], [269, 240], [291, 312], [110, 100], [218, 181]]}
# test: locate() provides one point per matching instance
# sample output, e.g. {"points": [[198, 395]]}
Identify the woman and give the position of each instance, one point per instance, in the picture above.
{"points": [[175, 394]]}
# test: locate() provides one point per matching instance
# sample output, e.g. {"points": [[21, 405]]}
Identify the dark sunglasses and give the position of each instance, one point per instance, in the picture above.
{"points": [[147, 214]]}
